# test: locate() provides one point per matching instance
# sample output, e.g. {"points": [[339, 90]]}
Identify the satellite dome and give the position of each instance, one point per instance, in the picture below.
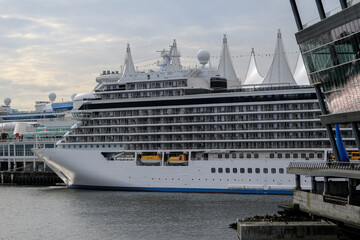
{"points": [[82, 96], [52, 97], [7, 101], [73, 96], [203, 56]]}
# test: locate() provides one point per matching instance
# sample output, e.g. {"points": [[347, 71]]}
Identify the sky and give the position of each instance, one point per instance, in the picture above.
{"points": [[61, 46]]}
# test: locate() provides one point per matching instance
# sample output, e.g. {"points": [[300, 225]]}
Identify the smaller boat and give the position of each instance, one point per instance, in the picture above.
{"points": [[177, 160], [151, 160]]}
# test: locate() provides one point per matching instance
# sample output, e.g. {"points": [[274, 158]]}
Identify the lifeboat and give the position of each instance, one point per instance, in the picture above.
{"points": [[151, 160], [177, 160]]}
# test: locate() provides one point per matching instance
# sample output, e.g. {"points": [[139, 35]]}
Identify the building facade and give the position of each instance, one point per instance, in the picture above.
{"points": [[330, 47]]}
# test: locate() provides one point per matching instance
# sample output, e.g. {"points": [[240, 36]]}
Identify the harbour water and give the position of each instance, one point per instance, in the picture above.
{"points": [[61, 213]]}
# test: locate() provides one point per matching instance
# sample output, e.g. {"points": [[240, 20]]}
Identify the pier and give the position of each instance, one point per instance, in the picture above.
{"points": [[333, 193], [29, 178]]}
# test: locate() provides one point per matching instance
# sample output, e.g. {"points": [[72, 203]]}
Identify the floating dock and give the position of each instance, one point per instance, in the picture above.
{"points": [[30, 178], [264, 230]]}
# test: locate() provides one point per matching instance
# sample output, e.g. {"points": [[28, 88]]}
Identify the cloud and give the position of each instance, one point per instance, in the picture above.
{"points": [[62, 45]]}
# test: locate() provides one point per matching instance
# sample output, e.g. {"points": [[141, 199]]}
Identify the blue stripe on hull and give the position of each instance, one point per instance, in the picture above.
{"points": [[195, 190]]}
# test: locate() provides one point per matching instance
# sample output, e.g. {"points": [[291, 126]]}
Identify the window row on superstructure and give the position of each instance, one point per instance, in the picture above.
{"points": [[202, 118], [240, 130], [142, 94], [249, 108], [223, 144], [290, 114], [175, 136], [248, 170], [143, 85]]}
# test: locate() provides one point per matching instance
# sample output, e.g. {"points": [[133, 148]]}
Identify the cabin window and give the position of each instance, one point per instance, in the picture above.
{"points": [[226, 155], [241, 155], [227, 170], [257, 170], [219, 155], [272, 155], [287, 155], [311, 155], [295, 155], [234, 170], [319, 155], [233, 155], [265, 170], [213, 170], [249, 170], [248, 155], [273, 170], [303, 155], [279, 155], [220, 170], [281, 170], [242, 170], [256, 155]]}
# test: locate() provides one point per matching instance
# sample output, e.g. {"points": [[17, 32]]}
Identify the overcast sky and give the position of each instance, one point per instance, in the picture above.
{"points": [[61, 46]]}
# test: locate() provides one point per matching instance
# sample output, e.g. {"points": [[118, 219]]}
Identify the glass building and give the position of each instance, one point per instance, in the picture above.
{"points": [[331, 53], [330, 47]]}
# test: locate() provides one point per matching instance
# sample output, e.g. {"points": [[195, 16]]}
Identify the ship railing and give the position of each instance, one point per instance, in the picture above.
{"points": [[31, 140], [326, 165]]}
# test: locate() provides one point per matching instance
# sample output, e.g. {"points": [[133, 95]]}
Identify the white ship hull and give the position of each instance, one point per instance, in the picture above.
{"points": [[89, 169]]}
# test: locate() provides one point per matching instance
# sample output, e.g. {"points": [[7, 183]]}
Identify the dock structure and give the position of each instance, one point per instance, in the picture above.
{"points": [[264, 230], [335, 186], [333, 193], [29, 178]]}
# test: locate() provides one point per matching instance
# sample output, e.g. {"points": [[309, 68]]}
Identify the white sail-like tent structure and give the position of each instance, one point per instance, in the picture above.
{"points": [[129, 68], [252, 75], [279, 72], [300, 74], [226, 68], [175, 57]]}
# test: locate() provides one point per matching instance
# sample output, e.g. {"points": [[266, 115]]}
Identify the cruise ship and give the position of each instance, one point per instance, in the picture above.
{"points": [[23, 130], [192, 130]]}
